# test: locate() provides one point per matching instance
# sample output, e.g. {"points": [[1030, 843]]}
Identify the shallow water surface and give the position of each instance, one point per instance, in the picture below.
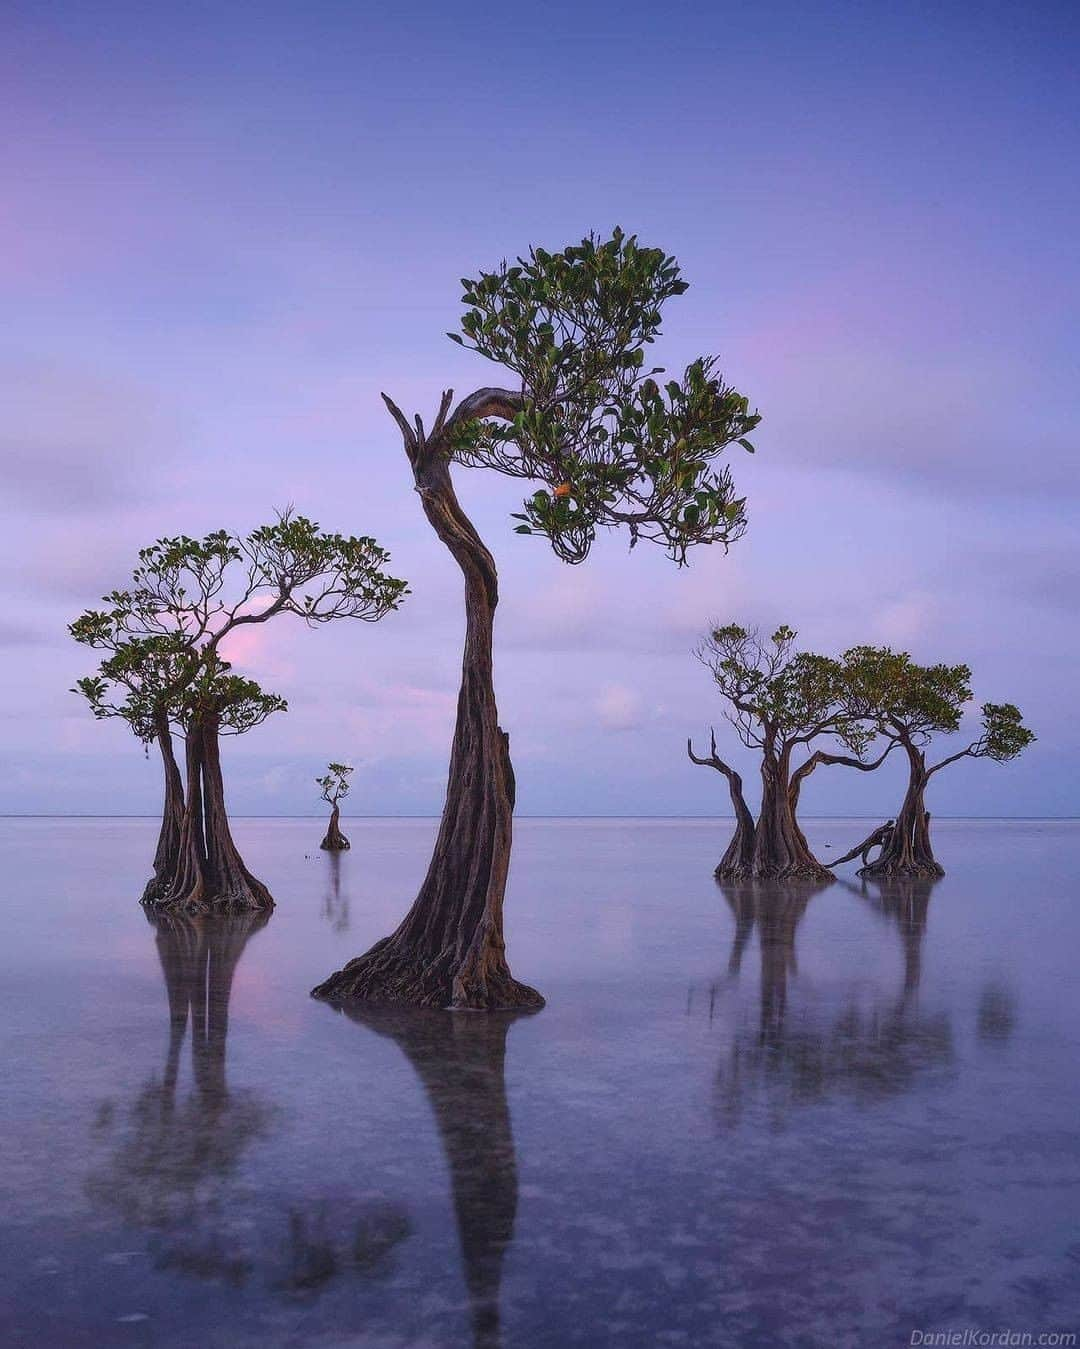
{"points": [[746, 1117]]}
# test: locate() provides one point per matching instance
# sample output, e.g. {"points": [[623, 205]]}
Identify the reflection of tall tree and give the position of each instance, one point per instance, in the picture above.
{"points": [[460, 1060], [871, 1050]]}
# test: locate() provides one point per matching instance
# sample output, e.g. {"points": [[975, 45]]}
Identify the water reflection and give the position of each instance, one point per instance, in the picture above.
{"points": [[460, 1061], [877, 1043], [902, 901], [335, 905], [173, 1160], [173, 1154], [997, 1013]]}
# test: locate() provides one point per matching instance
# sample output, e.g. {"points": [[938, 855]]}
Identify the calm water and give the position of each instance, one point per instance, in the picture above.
{"points": [[743, 1119]]}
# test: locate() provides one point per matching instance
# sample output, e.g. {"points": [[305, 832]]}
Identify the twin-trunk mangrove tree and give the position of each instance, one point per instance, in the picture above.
{"points": [[781, 702], [163, 673]]}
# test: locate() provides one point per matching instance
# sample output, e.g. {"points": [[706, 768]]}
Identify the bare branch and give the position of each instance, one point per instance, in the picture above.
{"points": [[407, 433]]}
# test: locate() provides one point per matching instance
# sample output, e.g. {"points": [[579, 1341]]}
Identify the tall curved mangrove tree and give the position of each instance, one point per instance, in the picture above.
{"points": [[612, 448]]}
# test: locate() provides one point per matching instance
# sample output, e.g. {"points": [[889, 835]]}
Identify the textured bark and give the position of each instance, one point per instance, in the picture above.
{"points": [[738, 859], [233, 887], [209, 875], [449, 950], [167, 852], [780, 849], [335, 840], [909, 851]]}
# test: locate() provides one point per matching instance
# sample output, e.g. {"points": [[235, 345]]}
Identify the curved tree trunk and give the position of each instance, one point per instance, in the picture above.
{"points": [[908, 851], [172, 817], [335, 840], [449, 951], [209, 875], [780, 850], [801, 773], [737, 861]]}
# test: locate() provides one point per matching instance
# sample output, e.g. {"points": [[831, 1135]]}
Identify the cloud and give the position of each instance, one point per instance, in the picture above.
{"points": [[619, 708], [14, 633], [905, 620], [924, 415], [75, 441]]}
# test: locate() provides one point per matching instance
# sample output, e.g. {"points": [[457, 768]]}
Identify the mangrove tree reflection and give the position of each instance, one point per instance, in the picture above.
{"points": [[173, 1159], [877, 1044], [335, 905], [902, 901], [173, 1156], [460, 1060], [997, 1013]]}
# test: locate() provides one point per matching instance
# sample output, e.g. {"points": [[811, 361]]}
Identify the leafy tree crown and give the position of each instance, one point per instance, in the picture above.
{"points": [[161, 633], [334, 784], [613, 446], [891, 689], [777, 695]]}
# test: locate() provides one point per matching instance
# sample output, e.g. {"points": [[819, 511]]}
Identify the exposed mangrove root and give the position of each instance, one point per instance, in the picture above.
{"points": [[389, 975], [205, 872], [878, 838], [335, 840]]}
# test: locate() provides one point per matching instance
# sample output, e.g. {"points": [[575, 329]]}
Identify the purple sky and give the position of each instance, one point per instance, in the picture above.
{"points": [[222, 234]]}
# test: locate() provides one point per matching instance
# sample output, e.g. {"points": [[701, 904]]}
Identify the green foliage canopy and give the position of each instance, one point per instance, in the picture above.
{"points": [[913, 703], [161, 633], [334, 784], [777, 697], [612, 445]]}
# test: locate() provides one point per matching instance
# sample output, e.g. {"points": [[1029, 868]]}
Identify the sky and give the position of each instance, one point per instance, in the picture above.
{"points": [[226, 228]]}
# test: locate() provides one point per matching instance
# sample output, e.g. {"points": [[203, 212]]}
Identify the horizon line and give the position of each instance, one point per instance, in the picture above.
{"points": [[75, 815]]}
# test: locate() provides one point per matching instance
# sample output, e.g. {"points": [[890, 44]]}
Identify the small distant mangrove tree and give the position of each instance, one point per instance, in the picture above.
{"points": [[163, 674], [334, 787]]}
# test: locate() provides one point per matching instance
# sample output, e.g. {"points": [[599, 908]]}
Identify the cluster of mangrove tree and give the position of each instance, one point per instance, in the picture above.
{"points": [[783, 702], [613, 448]]}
